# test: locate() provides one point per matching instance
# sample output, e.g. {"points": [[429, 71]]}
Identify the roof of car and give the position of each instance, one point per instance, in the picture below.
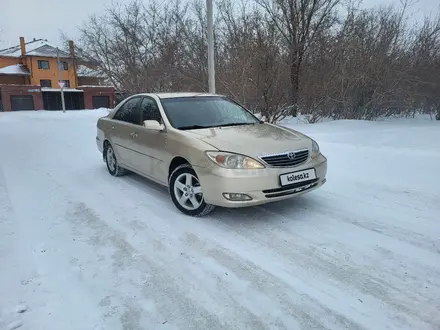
{"points": [[184, 94]]}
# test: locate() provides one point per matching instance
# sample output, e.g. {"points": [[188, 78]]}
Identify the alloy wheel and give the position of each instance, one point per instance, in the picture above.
{"points": [[188, 191]]}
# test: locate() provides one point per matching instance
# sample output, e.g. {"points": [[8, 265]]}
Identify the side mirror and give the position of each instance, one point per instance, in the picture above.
{"points": [[153, 125]]}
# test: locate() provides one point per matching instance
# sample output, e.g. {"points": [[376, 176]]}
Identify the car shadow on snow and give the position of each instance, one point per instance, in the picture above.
{"points": [[148, 186], [294, 209]]}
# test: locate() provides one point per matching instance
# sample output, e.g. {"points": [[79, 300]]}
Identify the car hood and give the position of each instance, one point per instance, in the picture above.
{"points": [[253, 140]]}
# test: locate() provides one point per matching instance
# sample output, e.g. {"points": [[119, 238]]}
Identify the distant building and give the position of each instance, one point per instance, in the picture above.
{"points": [[29, 79]]}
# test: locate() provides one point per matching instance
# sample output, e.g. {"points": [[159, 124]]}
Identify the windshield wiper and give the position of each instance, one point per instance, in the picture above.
{"points": [[211, 126], [235, 124], [193, 127]]}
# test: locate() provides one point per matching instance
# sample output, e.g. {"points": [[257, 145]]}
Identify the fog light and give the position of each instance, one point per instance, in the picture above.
{"points": [[237, 197]]}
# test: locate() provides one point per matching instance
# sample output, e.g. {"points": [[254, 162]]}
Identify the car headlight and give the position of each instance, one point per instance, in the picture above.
{"points": [[233, 161], [315, 149]]}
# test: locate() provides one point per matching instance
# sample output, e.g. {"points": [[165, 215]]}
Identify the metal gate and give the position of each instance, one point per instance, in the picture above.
{"points": [[100, 102], [22, 102], [73, 100]]}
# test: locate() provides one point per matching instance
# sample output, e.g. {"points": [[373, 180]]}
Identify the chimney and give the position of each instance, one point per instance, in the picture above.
{"points": [[71, 49], [72, 55], [22, 46]]}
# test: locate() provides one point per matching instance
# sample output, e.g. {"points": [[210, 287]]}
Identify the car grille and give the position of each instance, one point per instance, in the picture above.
{"points": [[291, 189], [290, 186], [283, 160]]}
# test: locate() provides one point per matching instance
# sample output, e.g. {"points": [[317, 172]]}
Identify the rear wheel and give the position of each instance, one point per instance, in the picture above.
{"points": [[187, 193], [112, 163]]}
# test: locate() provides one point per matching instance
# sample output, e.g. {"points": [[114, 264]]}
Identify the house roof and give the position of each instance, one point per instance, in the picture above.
{"points": [[49, 89], [15, 70], [37, 47], [83, 71]]}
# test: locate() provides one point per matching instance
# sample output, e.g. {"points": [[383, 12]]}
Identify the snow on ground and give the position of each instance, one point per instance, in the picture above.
{"points": [[82, 250]]}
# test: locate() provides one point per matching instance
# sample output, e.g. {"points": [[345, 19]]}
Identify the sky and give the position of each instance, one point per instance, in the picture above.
{"points": [[45, 19]]}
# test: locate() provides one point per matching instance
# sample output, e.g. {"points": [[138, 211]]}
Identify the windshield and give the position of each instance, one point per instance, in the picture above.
{"points": [[204, 112]]}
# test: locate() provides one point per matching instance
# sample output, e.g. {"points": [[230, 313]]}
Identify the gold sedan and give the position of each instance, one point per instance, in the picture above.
{"points": [[209, 151]]}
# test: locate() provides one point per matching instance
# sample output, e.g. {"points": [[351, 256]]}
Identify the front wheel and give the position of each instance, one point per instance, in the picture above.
{"points": [[186, 192]]}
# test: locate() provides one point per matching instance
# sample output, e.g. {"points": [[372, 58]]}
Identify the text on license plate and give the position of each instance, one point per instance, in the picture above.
{"points": [[295, 177]]}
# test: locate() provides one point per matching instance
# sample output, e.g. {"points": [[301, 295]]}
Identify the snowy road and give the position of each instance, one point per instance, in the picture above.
{"points": [[81, 250]]}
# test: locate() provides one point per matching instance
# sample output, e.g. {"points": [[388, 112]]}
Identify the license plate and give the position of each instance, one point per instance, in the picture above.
{"points": [[295, 177]]}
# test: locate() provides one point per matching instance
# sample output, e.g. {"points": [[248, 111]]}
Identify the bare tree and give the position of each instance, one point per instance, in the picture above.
{"points": [[277, 57], [299, 21], [425, 54]]}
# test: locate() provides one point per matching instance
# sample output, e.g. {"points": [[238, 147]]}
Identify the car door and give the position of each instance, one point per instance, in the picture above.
{"points": [[150, 145], [123, 124]]}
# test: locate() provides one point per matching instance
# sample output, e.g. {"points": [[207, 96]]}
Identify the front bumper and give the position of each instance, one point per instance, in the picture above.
{"points": [[262, 185]]}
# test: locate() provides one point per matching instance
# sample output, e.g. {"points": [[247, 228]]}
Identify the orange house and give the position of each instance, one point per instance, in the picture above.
{"points": [[32, 73]]}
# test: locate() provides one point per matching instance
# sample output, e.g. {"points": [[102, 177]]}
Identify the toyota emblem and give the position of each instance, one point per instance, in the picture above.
{"points": [[291, 155]]}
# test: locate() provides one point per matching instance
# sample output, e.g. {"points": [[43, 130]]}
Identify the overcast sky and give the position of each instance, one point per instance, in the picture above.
{"points": [[46, 18]]}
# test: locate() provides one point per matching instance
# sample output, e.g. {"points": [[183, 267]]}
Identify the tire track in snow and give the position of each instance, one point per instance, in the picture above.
{"points": [[311, 259], [191, 241], [10, 316], [413, 289], [237, 313], [302, 260], [164, 284]]}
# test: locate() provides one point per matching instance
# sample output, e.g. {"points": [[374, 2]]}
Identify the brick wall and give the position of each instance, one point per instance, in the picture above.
{"points": [[12, 80], [6, 91], [89, 92]]}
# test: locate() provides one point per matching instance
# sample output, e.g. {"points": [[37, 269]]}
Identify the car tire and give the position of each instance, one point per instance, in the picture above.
{"points": [[112, 163], [193, 203]]}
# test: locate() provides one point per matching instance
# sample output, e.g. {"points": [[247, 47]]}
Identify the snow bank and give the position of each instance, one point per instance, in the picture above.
{"points": [[15, 116], [303, 119]]}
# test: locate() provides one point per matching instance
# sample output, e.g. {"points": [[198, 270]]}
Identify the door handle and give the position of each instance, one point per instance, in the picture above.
{"points": [[134, 135]]}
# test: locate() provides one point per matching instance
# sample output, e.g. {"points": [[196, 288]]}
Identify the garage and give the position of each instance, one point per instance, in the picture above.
{"points": [[100, 102], [22, 102]]}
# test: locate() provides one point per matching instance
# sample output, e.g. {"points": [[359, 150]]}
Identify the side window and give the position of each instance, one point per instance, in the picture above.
{"points": [[149, 110], [129, 112]]}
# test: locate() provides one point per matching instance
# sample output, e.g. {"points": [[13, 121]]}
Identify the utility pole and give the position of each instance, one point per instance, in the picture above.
{"points": [[60, 83], [211, 67]]}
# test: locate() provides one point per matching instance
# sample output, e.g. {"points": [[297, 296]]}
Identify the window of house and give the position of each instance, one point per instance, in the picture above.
{"points": [[43, 65], [63, 66], [66, 83], [45, 83], [129, 112]]}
